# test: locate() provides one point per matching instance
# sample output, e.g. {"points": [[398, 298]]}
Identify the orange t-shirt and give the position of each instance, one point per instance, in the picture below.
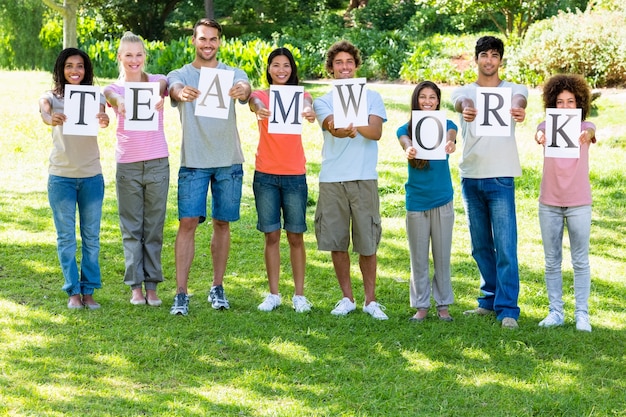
{"points": [[278, 154]]}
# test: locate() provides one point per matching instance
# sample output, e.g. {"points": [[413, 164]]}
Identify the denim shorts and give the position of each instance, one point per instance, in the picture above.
{"points": [[276, 193], [193, 187]]}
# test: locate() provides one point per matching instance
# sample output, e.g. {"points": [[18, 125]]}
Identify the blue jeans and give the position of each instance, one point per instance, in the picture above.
{"points": [[64, 194], [490, 207], [274, 194], [226, 186]]}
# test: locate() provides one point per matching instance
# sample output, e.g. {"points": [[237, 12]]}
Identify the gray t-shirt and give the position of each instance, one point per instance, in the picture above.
{"points": [[207, 142]]}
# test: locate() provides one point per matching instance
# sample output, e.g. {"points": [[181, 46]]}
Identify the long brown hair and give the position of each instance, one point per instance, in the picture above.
{"points": [[415, 105]]}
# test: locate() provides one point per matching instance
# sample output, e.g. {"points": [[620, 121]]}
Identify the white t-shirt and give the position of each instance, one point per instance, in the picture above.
{"points": [[488, 157]]}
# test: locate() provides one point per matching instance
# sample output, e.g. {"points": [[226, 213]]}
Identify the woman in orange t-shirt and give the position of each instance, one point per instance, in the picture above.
{"points": [[280, 184]]}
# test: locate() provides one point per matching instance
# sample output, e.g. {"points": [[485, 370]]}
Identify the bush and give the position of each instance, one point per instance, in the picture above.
{"points": [[441, 59], [592, 44]]}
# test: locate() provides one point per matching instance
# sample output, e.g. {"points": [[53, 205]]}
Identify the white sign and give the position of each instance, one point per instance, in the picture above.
{"points": [[429, 134], [214, 100], [350, 102], [286, 107], [81, 105], [494, 112], [140, 100], [562, 133]]}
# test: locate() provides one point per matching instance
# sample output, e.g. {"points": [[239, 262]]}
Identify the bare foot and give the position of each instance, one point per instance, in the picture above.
{"points": [[137, 298], [89, 302], [152, 298], [75, 302]]}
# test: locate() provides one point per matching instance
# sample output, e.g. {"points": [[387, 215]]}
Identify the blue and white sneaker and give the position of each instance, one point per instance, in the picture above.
{"points": [[218, 299], [181, 304]]}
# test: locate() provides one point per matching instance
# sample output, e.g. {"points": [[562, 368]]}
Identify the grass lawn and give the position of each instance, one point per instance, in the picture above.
{"points": [[125, 360]]}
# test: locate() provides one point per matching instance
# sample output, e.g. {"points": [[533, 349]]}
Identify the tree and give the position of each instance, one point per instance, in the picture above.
{"points": [[511, 17], [68, 10]]}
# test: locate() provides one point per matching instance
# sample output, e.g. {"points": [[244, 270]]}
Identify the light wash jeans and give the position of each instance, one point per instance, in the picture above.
{"points": [[64, 195], [490, 207], [552, 221], [142, 189]]}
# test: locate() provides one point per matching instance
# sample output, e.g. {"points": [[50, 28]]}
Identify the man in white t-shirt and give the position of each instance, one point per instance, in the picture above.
{"points": [[488, 167]]}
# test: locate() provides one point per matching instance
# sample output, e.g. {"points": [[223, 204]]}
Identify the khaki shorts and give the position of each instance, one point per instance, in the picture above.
{"points": [[343, 203]]}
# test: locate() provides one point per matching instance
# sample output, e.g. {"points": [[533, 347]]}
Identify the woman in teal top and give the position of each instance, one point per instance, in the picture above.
{"points": [[430, 212]]}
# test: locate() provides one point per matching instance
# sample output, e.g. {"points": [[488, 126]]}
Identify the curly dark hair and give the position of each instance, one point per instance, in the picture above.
{"points": [[575, 84], [421, 163], [342, 46], [58, 75]]}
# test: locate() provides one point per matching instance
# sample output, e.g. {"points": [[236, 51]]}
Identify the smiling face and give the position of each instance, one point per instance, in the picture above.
{"points": [[427, 99], [344, 66], [132, 57], [74, 69], [488, 62], [280, 70], [207, 42], [566, 100]]}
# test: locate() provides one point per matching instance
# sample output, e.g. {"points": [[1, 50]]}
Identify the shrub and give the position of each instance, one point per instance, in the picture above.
{"points": [[592, 44]]}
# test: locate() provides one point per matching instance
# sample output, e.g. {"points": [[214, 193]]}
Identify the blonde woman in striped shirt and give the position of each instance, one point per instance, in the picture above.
{"points": [[142, 178]]}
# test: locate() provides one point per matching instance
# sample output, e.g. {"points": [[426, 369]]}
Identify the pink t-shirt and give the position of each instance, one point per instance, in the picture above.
{"points": [[278, 154], [565, 181], [134, 145]]}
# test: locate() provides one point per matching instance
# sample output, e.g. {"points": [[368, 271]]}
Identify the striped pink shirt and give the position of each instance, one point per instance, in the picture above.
{"points": [[134, 145]]}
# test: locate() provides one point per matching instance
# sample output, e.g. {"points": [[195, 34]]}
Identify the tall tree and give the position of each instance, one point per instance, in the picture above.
{"points": [[68, 10]]}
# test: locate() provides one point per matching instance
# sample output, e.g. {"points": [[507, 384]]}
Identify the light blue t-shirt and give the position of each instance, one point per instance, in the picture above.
{"points": [[430, 187], [207, 142], [348, 159]]}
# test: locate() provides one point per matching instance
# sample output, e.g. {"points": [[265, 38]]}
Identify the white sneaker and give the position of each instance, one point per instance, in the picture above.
{"points": [[301, 304], [270, 303], [582, 322], [553, 319], [343, 307], [375, 310]]}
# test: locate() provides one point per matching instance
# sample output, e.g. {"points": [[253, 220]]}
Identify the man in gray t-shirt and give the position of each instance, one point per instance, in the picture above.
{"points": [[210, 154]]}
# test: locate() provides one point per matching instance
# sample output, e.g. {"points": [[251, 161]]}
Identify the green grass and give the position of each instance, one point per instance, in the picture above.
{"points": [[125, 360]]}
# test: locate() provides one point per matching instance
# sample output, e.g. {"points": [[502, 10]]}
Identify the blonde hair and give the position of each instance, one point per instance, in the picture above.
{"points": [[130, 37]]}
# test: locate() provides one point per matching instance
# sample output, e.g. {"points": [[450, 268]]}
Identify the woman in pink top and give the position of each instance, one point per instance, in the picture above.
{"points": [[280, 184], [143, 175], [565, 198]]}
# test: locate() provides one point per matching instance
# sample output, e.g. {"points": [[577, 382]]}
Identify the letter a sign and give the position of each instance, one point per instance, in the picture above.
{"points": [[214, 100], [82, 103], [350, 102], [286, 106], [562, 132], [494, 111]]}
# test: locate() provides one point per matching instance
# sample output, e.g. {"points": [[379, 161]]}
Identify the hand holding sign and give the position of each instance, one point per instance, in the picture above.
{"points": [[350, 102], [562, 133], [140, 101], [429, 134], [494, 111], [286, 119], [82, 105], [214, 100]]}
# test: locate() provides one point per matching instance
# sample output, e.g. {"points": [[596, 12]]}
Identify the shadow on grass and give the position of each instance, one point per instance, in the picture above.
{"points": [[125, 360]]}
